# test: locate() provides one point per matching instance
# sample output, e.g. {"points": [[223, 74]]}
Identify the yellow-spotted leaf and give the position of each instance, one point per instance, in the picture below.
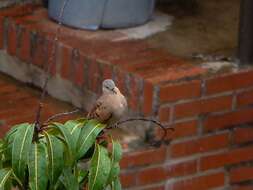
{"points": [[88, 137], [99, 169], [20, 150], [37, 167], [55, 157]]}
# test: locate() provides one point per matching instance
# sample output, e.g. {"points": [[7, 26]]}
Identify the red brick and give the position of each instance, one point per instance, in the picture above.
{"points": [[15, 95], [25, 46], [164, 114], [124, 49], [245, 98], [51, 54], [145, 66], [39, 51], [148, 94], [243, 187], [241, 174], [136, 61], [13, 103], [159, 187], [169, 93], [143, 158], [12, 39], [182, 129], [18, 10], [151, 175], [134, 93], [1, 32], [66, 53], [203, 106], [107, 71], [226, 120], [174, 74], [229, 82], [10, 114], [201, 183], [128, 179], [227, 158], [243, 135], [7, 89], [29, 118], [181, 169], [94, 76], [201, 145], [147, 176], [120, 79], [79, 74]]}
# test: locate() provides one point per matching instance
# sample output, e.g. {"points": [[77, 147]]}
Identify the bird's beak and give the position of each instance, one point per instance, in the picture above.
{"points": [[114, 91]]}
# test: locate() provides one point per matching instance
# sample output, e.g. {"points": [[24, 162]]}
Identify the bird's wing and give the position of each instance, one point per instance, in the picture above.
{"points": [[101, 110]]}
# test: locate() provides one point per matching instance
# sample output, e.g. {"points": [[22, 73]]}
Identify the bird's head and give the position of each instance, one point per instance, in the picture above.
{"points": [[108, 86]]}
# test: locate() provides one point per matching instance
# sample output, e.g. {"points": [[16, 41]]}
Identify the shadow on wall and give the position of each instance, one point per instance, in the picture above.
{"points": [[187, 7], [45, 3], [190, 6]]}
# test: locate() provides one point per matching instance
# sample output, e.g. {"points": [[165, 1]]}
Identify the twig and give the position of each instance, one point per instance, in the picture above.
{"points": [[58, 115], [50, 61], [147, 120]]}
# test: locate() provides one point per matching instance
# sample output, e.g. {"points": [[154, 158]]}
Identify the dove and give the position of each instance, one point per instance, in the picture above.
{"points": [[110, 106]]}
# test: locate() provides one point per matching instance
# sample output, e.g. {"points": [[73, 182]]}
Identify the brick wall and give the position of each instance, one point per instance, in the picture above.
{"points": [[212, 146]]}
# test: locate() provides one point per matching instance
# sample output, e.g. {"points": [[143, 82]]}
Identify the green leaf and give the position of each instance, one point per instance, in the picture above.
{"points": [[88, 137], [55, 157], [99, 169], [74, 128], [116, 151], [114, 172], [37, 167], [14, 129], [4, 176], [19, 183], [69, 180], [116, 185], [20, 150], [69, 142], [115, 158], [82, 174], [9, 139]]}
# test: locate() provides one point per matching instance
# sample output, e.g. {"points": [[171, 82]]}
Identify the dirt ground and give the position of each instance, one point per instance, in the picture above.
{"points": [[203, 26]]}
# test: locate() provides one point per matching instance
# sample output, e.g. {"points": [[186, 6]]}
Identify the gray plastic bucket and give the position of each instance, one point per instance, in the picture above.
{"points": [[94, 14]]}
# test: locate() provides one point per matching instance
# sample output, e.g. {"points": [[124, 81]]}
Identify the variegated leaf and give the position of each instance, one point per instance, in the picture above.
{"points": [[55, 157], [37, 167], [20, 150], [88, 137], [99, 169]]}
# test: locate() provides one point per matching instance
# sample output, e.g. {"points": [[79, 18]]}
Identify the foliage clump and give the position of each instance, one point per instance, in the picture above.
{"points": [[64, 156]]}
